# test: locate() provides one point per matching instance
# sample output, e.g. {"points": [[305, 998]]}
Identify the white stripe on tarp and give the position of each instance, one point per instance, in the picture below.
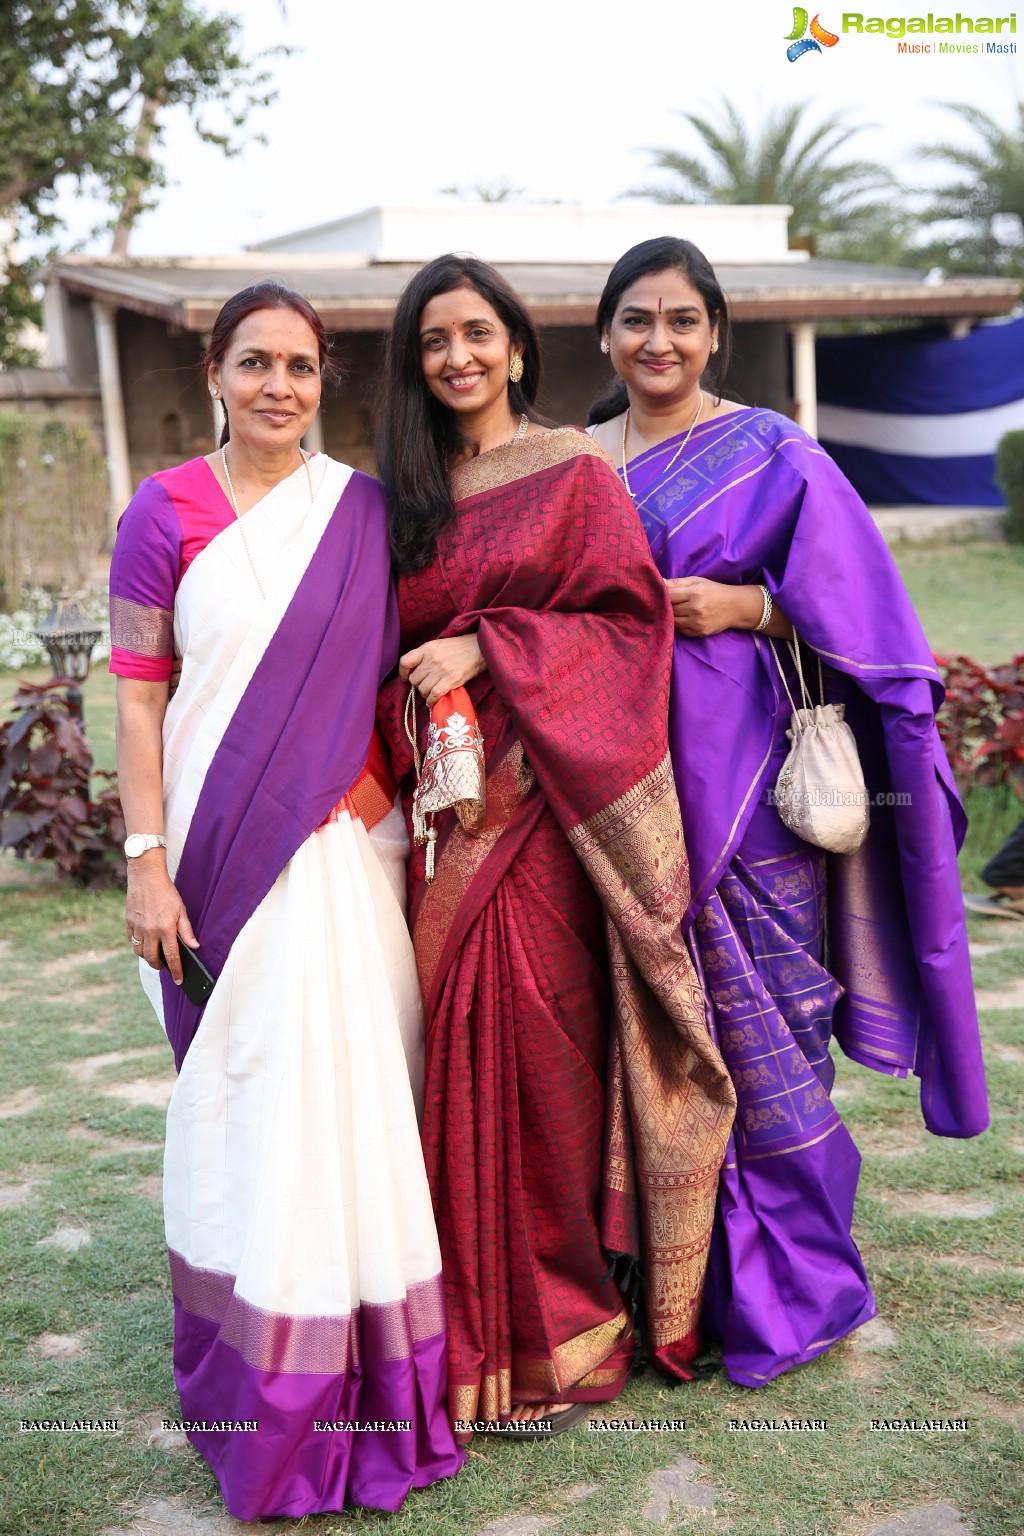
{"points": [[961, 435]]}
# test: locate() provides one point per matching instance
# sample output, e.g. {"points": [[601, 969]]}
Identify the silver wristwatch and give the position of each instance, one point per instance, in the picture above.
{"points": [[141, 842]]}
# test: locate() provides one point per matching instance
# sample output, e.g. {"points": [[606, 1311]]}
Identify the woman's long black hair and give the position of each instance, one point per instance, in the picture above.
{"points": [[662, 255], [418, 437]]}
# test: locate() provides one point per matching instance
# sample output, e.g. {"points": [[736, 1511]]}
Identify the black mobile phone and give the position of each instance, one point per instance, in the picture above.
{"points": [[196, 981]]}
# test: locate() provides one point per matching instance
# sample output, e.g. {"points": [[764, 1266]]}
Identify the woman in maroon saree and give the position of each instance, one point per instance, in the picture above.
{"points": [[752, 526], [554, 923]]}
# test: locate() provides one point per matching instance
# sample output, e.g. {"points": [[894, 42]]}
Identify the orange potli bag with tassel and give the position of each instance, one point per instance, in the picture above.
{"points": [[450, 774]]}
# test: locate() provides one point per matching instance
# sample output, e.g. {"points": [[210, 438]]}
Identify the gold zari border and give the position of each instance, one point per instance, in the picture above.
{"points": [[514, 461], [670, 1099]]}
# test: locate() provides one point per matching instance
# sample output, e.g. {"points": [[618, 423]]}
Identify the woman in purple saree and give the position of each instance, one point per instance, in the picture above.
{"points": [[755, 529]]}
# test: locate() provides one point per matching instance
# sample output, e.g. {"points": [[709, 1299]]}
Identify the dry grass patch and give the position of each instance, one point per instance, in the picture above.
{"points": [[152, 1091], [978, 1264], [102, 1145], [958, 1207], [1006, 1413], [1005, 1329], [890, 1141], [59, 1346], [90, 993], [13, 1195], [149, 1430], [1011, 996], [21, 1103], [172, 1517], [66, 965], [89, 1067], [1001, 1052], [67, 1238]]}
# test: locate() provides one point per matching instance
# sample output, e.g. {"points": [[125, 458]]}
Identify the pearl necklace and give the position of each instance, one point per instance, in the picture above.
{"points": [[672, 460], [238, 515]]}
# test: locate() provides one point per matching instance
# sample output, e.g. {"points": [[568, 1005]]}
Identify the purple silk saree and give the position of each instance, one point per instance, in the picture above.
{"points": [[795, 945]]}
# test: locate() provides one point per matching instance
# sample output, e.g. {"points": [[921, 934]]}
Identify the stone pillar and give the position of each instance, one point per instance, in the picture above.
{"points": [[115, 431], [313, 442], [216, 407], [805, 382]]}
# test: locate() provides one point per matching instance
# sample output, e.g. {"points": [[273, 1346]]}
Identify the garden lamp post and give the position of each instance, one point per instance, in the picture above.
{"points": [[69, 636]]}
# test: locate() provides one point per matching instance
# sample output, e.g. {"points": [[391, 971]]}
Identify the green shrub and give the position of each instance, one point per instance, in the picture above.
{"points": [[1010, 480]]}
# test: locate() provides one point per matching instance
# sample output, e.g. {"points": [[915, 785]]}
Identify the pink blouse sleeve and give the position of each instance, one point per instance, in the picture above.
{"points": [[144, 575]]}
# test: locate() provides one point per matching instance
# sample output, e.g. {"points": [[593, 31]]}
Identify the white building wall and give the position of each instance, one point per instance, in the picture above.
{"points": [[542, 233]]}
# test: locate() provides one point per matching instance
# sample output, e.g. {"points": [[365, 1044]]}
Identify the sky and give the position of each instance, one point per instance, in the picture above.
{"points": [[389, 101]]}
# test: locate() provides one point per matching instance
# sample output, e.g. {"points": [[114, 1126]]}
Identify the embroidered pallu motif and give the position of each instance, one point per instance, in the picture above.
{"points": [[754, 499], [547, 563], [785, 1280]]}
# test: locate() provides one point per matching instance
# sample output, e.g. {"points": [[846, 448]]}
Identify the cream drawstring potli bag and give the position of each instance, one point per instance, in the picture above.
{"points": [[820, 793]]}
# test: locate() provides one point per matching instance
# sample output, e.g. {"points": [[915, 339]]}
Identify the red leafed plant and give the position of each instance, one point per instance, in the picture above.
{"points": [[45, 807], [982, 721]]}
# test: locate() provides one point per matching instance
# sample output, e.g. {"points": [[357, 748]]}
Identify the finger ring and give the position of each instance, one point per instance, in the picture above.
{"points": [[136, 942]]}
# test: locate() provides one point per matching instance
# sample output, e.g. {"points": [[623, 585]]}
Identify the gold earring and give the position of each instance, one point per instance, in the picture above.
{"points": [[714, 346], [215, 393], [605, 347], [515, 370]]}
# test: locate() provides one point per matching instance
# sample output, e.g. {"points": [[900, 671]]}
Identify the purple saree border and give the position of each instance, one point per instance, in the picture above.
{"points": [[296, 1462], [332, 1344], [285, 759]]}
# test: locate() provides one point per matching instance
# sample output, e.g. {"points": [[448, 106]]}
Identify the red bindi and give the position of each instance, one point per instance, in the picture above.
{"points": [[280, 354], [659, 304]]}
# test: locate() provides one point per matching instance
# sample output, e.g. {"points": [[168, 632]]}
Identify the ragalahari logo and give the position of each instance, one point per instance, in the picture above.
{"points": [[800, 43]]}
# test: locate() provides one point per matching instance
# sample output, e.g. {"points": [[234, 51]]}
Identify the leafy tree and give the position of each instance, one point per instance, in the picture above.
{"points": [[84, 85], [18, 311], [834, 201], [988, 181]]}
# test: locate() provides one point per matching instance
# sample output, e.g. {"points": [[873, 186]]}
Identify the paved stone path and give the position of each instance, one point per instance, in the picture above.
{"points": [[675, 1485], [872, 1337], [172, 1517], [922, 525], [924, 1520]]}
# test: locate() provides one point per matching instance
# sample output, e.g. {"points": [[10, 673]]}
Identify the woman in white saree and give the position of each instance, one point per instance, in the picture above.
{"points": [[309, 1321]]}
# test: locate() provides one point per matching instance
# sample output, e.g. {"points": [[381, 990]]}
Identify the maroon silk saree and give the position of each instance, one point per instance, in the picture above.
{"points": [[576, 1105]]}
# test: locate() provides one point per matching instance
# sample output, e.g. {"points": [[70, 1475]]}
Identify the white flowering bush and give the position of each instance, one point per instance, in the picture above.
{"points": [[19, 646]]}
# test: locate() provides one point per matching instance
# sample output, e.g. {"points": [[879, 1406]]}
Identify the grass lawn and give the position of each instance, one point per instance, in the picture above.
{"points": [[970, 597], [85, 1309]]}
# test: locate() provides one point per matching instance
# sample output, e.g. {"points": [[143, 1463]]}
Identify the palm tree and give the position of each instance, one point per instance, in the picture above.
{"points": [[989, 181], [775, 164]]}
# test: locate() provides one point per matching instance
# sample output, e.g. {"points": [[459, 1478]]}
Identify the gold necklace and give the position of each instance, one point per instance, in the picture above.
{"points": [[238, 515], [672, 460]]}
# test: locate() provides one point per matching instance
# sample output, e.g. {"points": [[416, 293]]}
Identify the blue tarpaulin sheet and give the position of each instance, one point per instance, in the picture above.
{"points": [[915, 416]]}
